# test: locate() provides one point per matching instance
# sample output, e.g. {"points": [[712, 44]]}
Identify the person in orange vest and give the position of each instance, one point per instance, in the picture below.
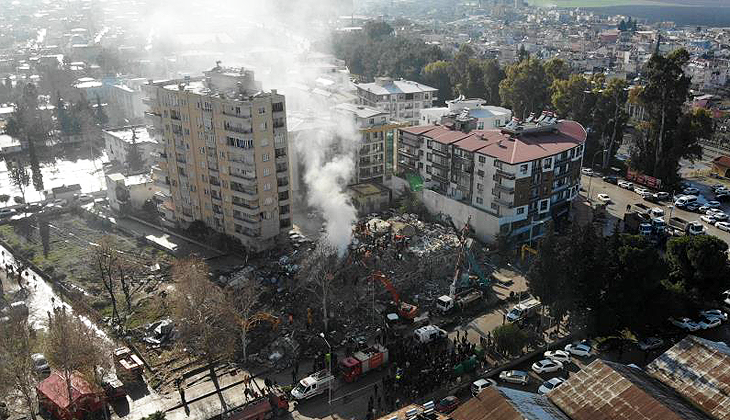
{"points": [[309, 318]]}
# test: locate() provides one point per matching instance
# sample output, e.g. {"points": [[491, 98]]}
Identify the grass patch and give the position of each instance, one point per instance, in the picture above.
{"points": [[147, 310]]}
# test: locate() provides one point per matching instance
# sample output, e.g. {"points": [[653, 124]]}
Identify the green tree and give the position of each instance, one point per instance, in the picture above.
{"points": [[493, 76], [611, 101], [509, 339], [556, 69], [438, 75], [698, 264], [475, 86], [670, 134], [522, 53], [525, 89], [460, 67], [573, 98], [4, 198], [377, 30], [27, 123], [134, 156]]}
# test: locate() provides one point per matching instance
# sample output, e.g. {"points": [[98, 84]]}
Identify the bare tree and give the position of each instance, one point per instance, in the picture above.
{"points": [[203, 314], [17, 371], [245, 298], [317, 274], [72, 346], [19, 177], [125, 271], [105, 260]]}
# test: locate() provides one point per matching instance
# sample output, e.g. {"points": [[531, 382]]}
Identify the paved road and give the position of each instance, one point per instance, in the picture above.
{"points": [[620, 198]]}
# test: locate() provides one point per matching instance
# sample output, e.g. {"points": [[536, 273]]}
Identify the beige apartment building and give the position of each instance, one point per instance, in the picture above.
{"points": [[225, 153]]}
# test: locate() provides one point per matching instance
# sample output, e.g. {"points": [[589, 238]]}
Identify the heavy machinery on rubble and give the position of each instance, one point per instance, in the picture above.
{"points": [[465, 289], [405, 310]]}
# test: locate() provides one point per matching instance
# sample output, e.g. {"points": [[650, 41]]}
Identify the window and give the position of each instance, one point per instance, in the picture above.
{"points": [[482, 159], [264, 142], [267, 186], [268, 201], [262, 110], [480, 187], [480, 173], [428, 157], [277, 107], [265, 157], [544, 205], [495, 206], [547, 163], [520, 210], [279, 139], [480, 200], [523, 168], [267, 171], [497, 123], [372, 121], [202, 150], [428, 169], [264, 125]]}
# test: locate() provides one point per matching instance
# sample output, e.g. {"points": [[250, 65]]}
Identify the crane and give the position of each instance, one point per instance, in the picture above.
{"points": [[466, 260], [406, 310]]}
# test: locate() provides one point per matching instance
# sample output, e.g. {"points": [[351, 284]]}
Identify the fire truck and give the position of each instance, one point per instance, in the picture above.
{"points": [[362, 362]]}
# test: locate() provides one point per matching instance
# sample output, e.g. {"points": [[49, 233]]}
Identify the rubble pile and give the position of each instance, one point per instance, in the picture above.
{"points": [[279, 354]]}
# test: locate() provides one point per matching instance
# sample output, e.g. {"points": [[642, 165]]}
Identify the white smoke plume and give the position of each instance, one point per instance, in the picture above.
{"points": [[274, 38]]}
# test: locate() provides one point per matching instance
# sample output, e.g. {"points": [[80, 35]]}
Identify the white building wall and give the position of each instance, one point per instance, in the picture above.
{"points": [[485, 225]]}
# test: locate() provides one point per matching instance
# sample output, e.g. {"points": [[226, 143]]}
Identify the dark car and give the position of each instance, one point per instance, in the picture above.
{"points": [[652, 198], [447, 404], [695, 207], [610, 179]]}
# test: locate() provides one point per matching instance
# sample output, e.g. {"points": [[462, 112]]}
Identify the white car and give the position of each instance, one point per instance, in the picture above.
{"points": [[626, 184], [561, 356], [587, 171], [691, 191], [604, 197], [720, 216], [657, 212], [650, 343], [714, 313], [548, 386], [723, 226], [685, 324], [713, 204], [708, 219], [707, 323], [546, 366], [578, 349], [640, 190], [515, 376]]}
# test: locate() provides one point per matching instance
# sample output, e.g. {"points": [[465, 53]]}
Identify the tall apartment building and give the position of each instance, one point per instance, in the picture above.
{"points": [[376, 156], [225, 153], [517, 176], [401, 99]]}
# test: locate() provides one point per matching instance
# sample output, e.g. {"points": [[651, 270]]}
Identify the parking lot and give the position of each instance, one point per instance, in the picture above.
{"points": [[620, 198]]}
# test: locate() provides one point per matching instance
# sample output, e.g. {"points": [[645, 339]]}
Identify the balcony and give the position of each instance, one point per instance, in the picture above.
{"points": [[239, 130], [503, 202], [504, 188], [254, 222], [246, 195], [282, 159], [181, 160], [241, 116], [441, 152], [437, 175], [247, 206], [504, 174], [440, 164], [243, 176], [408, 152]]}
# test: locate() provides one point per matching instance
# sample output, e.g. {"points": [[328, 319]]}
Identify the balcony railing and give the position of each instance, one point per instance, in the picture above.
{"points": [[503, 202], [504, 188], [233, 114], [246, 205], [243, 176], [239, 130], [504, 174]]}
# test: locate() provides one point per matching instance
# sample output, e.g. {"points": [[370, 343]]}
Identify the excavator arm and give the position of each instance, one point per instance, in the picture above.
{"points": [[406, 310]]}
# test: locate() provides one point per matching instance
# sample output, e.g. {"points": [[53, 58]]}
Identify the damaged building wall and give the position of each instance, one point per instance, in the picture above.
{"points": [[486, 226]]}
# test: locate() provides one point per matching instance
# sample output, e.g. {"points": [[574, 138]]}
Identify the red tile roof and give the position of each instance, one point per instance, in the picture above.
{"points": [[722, 161], [419, 129], [54, 388]]}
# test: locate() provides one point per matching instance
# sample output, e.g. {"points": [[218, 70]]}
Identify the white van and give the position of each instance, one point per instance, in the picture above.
{"points": [[685, 199], [312, 385], [429, 333]]}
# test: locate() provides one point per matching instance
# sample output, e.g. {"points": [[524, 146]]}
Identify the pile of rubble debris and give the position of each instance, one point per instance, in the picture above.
{"points": [[424, 238], [278, 355]]}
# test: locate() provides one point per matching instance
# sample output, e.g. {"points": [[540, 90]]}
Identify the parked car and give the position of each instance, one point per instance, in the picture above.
{"points": [[604, 197], [707, 323], [4, 213], [626, 184], [546, 366], [587, 171], [515, 376], [610, 179], [549, 385], [650, 343], [448, 404], [691, 191], [708, 219], [692, 207], [558, 355], [685, 324], [41, 365], [640, 190], [662, 195], [578, 349], [657, 212], [714, 313], [719, 215], [480, 385], [723, 226]]}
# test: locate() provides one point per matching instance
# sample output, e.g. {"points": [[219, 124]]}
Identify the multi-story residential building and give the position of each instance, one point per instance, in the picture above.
{"points": [[512, 179], [401, 99], [376, 155], [486, 116], [226, 153], [125, 100], [118, 142]]}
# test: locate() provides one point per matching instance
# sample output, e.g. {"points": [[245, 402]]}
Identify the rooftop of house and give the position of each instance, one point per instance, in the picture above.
{"points": [[611, 391], [361, 111], [699, 370], [54, 388], [125, 134], [387, 86], [497, 403]]}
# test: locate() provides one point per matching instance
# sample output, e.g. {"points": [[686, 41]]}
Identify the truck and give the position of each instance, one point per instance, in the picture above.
{"points": [[313, 385], [459, 301], [274, 404], [523, 310], [362, 362], [633, 221], [129, 366], [685, 227]]}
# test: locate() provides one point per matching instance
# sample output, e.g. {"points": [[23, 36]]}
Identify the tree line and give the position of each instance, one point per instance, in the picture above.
{"points": [[621, 282]]}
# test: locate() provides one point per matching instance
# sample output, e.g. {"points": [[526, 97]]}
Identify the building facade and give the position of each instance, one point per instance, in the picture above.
{"points": [[225, 153], [401, 99], [520, 175], [118, 142]]}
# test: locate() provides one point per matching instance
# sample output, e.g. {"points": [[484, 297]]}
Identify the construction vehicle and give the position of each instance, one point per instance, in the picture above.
{"points": [[363, 362], [634, 220], [313, 384], [405, 310], [526, 248], [129, 366], [685, 227], [523, 310], [274, 404], [460, 301]]}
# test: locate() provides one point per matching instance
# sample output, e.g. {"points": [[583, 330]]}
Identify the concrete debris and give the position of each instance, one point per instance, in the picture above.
{"points": [[278, 355], [159, 332]]}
